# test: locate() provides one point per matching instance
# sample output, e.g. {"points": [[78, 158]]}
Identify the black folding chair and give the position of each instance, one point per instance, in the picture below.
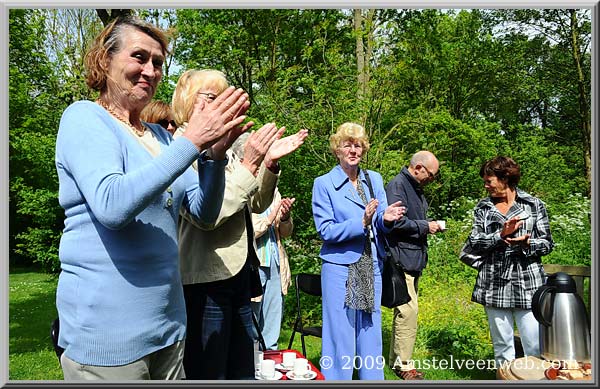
{"points": [[309, 284]]}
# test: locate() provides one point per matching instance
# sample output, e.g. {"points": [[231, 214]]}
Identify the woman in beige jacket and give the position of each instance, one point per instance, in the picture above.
{"points": [[215, 259]]}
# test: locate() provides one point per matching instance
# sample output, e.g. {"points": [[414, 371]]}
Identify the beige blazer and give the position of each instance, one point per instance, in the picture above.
{"points": [[218, 252], [283, 229]]}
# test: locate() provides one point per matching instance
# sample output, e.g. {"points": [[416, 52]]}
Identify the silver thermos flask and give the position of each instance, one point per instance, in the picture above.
{"points": [[564, 323]]}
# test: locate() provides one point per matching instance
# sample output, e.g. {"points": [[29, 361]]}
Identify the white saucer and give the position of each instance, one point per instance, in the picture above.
{"points": [[281, 366], [276, 377], [310, 375]]}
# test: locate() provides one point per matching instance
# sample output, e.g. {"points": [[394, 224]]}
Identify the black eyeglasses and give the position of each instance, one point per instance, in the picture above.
{"points": [[430, 174], [165, 123]]}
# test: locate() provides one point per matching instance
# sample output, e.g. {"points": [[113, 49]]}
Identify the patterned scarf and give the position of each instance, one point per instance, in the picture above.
{"points": [[360, 288]]}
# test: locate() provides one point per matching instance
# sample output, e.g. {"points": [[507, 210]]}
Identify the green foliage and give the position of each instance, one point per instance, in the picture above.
{"points": [[570, 223], [546, 163], [35, 106], [451, 140]]}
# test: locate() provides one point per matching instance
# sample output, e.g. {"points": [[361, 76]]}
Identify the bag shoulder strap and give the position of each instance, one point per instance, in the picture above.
{"points": [[368, 179], [388, 253]]}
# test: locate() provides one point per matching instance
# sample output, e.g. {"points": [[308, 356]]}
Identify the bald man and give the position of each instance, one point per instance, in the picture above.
{"points": [[408, 246]]}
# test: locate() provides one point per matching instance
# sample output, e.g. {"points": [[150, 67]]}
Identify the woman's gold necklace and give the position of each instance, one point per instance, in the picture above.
{"points": [[138, 132]]}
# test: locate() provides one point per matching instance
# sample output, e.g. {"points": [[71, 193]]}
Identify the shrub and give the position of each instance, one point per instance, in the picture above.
{"points": [[570, 225]]}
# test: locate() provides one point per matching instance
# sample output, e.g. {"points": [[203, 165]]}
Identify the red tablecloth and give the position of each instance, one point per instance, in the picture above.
{"points": [[277, 356]]}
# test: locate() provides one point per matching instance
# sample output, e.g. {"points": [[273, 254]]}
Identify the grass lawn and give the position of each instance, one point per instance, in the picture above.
{"points": [[32, 309], [430, 344]]}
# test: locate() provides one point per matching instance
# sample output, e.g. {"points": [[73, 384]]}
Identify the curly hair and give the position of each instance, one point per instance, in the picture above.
{"points": [[109, 42], [505, 168], [349, 131]]}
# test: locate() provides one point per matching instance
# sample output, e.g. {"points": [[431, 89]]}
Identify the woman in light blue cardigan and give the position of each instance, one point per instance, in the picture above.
{"points": [[122, 183], [351, 224]]}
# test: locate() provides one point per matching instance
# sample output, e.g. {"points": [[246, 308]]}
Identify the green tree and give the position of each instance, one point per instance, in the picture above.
{"points": [[35, 220], [568, 70], [299, 69]]}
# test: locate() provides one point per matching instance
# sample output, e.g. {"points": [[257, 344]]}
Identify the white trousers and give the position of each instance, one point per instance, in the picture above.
{"points": [[501, 322]]}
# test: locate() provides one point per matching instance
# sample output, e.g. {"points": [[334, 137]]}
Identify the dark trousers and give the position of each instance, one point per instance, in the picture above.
{"points": [[219, 342]]}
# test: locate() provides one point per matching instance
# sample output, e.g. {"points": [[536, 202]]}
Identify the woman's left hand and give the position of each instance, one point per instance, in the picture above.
{"points": [[394, 212], [210, 122], [284, 146], [522, 240]]}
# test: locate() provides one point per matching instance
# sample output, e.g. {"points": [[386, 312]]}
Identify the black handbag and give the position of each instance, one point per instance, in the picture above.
{"points": [[394, 291], [469, 256]]}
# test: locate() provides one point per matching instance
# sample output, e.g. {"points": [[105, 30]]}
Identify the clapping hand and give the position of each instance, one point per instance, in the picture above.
{"points": [[285, 208], [258, 144], [208, 123], [285, 146], [369, 212], [218, 149], [394, 212], [509, 228], [522, 240]]}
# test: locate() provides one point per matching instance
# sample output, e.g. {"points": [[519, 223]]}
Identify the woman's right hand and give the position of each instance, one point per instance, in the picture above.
{"points": [[510, 226], [369, 212], [210, 122], [285, 208]]}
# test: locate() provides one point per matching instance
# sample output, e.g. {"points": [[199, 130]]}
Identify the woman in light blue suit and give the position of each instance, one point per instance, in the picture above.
{"points": [[351, 223]]}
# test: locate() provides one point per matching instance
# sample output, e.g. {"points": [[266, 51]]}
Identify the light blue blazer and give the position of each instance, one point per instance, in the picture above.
{"points": [[338, 212]]}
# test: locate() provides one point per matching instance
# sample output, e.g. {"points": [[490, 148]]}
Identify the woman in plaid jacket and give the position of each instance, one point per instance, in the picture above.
{"points": [[511, 230]]}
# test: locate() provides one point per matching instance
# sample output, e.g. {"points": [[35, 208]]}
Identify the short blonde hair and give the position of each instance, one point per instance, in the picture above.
{"points": [[188, 86], [349, 131]]}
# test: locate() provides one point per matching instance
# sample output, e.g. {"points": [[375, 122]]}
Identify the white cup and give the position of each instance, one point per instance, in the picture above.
{"points": [[258, 358], [267, 368], [442, 224], [301, 367], [288, 359]]}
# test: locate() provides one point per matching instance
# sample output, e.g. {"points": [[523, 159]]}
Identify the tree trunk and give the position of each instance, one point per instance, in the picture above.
{"points": [[360, 54], [363, 29], [369, 50]]}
